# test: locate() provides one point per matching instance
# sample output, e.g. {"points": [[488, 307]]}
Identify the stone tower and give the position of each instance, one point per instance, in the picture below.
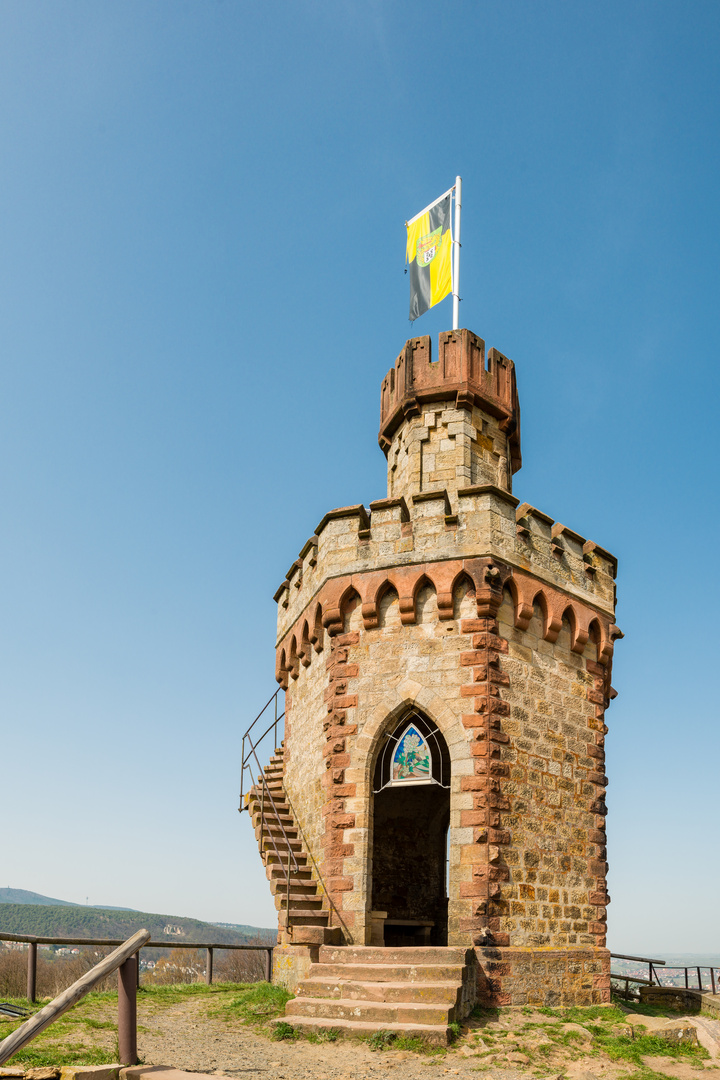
{"points": [[446, 658]]}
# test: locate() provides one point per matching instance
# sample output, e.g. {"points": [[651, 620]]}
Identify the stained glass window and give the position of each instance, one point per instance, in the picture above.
{"points": [[411, 760]]}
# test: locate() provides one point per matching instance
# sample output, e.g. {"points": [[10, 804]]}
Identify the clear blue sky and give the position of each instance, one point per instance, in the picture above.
{"points": [[201, 287]]}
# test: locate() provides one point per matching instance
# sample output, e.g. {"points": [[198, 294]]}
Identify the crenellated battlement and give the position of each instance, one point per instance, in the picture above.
{"points": [[459, 375], [425, 529]]}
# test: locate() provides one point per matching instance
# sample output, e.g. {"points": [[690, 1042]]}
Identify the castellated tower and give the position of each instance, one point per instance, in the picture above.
{"points": [[446, 658]]}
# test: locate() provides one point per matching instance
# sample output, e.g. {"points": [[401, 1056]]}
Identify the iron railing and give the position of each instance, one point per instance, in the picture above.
{"points": [[653, 978], [250, 761], [271, 722]]}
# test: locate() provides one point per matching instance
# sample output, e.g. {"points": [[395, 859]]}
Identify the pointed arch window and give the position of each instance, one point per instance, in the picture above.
{"points": [[411, 757], [414, 752]]}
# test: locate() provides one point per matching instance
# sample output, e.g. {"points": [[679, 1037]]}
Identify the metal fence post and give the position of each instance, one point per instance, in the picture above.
{"points": [[268, 965], [127, 1011], [209, 972], [32, 971]]}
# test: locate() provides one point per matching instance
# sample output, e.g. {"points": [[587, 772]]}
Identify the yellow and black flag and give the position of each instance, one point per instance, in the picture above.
{"points": [[429, 248]]}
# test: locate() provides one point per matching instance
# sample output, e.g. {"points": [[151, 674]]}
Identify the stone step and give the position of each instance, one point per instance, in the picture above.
{"points": [[413, 973], [274, 828], [299, 889], [430, 993], [379, 1012], [435, 1034], [301, 901], [276, 802], [270, 815], [301, 876], [272, 859], [283, 815], [299, 917], [281, 843], [302, 873], [368, 954], [274, 799], [275, 833]]}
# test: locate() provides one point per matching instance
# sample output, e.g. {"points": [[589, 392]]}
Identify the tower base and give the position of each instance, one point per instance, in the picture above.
{"points": [[543, 976]]}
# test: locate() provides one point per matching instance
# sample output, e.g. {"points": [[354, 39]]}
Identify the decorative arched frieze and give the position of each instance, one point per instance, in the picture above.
{"points": [[316, 632], [488, 578]]}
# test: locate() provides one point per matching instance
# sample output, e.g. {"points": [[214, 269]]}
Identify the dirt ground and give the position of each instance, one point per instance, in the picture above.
{"points": [[184, 1036], [200, 1030]]}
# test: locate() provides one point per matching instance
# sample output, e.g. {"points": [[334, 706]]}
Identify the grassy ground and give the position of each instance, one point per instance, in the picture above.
{"points": [[87, 1034], [550, 1039], [539, 1042]]}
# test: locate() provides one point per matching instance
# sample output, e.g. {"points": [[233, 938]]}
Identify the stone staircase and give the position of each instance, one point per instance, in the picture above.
{"points": [[360, 990], [305, 920]]}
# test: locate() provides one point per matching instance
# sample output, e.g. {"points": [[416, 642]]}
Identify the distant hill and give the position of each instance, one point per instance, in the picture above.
{"points": [[23, 896], [59, 919], [241, 928]]}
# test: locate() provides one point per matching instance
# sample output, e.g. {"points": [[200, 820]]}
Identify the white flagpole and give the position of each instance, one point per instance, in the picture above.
{"points": [[456, 255]]}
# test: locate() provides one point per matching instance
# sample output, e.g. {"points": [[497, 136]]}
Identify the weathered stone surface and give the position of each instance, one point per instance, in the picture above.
{"points": [[496, 626], [166, 1072], [676, 1032], [89, 1072]]}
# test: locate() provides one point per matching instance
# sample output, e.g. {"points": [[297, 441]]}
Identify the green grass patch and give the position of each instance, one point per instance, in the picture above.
{"points": [[323, 1035], [381, 1040], [391, 1040], [64, 1053], [282, 1031], [255, 1003], [626, 1048], [417, 1045]]}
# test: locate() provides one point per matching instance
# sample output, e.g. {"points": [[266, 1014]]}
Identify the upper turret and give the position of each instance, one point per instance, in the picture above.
{"points": [[449, 423]]}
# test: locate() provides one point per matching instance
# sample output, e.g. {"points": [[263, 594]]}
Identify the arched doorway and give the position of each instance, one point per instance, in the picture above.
{"points": [[411, 818]]}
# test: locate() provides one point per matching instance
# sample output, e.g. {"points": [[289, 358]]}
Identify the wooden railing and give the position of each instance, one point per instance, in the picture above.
{"points": [[124, 961], [33, 941]]}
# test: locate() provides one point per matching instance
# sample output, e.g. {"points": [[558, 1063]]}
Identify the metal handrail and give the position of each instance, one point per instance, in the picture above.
{"points": [[272, 727], [247, 759], [321, 883], [250, 756], [654, 977]]}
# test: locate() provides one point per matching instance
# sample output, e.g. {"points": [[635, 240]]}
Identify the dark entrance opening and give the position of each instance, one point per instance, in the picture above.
{"points": [[410, 832]]}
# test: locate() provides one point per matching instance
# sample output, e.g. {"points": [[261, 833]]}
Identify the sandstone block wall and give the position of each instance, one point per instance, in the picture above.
{"points": [[497, 623]]}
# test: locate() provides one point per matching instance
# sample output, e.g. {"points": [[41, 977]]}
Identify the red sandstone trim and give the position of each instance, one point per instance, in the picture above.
{"points": [[484, 726], [337, 731], [327, 609]]}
